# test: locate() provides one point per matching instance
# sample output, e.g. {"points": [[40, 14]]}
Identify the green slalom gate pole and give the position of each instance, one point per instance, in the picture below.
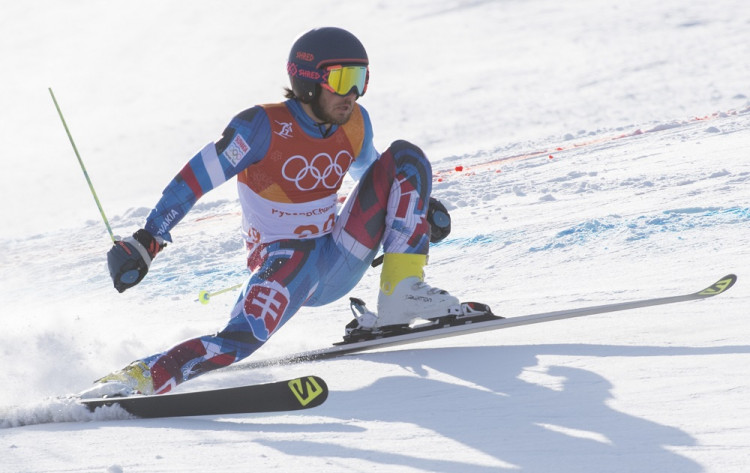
{"points": [[205, 297], [83, 168]]}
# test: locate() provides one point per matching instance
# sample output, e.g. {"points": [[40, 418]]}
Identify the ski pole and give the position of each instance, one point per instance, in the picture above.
{"points": [[83, 168], [205, 297]]}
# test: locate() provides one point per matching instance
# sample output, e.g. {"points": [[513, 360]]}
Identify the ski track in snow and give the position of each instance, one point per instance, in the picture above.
{"points": [[588, 154]]}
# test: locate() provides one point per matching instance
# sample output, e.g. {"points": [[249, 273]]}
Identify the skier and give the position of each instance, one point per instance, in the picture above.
{"points": [[290, 159]]}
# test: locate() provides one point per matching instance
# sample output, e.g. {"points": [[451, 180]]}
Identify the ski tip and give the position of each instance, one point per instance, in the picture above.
{"points": [[722, 285], [309, 391]]}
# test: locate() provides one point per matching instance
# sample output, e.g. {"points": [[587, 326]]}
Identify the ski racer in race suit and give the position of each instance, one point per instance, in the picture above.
{"points": [[289, 160]]}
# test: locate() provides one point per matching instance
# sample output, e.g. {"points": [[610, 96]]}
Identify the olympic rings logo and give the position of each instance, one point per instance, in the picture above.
{"points": [[323, 170]]}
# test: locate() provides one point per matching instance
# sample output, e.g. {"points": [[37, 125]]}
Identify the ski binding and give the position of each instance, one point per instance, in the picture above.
{"points": [[469, 312]]}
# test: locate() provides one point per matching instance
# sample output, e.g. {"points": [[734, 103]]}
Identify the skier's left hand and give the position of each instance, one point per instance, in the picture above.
{"points": [[130, 258], [440, 220]]}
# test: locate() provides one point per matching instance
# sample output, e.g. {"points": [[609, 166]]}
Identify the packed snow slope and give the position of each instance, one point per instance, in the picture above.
{"points": [[590, 152]]}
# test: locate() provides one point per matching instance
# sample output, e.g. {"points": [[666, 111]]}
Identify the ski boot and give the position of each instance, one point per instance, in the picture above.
{"points": [[403, 298], [131, 380]]}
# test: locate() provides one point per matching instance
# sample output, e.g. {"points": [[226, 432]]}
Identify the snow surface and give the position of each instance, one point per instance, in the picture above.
{"points": [[603, 149]]}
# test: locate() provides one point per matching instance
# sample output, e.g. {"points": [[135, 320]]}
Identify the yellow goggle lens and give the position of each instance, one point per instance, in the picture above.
{"points": [[342, 79]]}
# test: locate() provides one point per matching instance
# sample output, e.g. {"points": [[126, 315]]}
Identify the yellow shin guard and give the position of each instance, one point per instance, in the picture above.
{"points": [[399, 266]]}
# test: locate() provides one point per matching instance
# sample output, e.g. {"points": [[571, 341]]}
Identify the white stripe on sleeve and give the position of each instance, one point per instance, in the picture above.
{"points": [[212, 165]]}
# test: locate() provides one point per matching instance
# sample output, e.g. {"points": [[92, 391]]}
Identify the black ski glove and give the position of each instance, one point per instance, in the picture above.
{"points": [[440, 220], [130, 258]]}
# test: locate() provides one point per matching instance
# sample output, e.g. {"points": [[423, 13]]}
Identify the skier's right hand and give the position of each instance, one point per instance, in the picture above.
{"points": [[130, 258]]}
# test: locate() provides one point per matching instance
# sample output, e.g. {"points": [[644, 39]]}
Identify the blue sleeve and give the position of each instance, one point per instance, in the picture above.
{"points": [[368, 154], [245, 141]]}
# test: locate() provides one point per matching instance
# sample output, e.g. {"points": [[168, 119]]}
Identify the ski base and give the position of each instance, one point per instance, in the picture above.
{"points": [[290, 395]]}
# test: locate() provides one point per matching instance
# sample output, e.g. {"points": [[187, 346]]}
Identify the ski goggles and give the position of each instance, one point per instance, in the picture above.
{"points": [[342, 79]]}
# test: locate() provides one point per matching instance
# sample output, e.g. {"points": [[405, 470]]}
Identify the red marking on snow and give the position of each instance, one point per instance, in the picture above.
{"points": [[438, 175]]}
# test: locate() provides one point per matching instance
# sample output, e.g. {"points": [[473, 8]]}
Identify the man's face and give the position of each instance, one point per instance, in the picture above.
{"points": [[333, 108]]}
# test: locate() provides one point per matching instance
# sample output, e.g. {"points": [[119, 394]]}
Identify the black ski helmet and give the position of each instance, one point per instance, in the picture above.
{"points": [[313, 51]]}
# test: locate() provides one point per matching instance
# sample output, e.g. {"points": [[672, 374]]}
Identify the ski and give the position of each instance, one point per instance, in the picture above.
{"points": [[290, 395], [439, 331]]}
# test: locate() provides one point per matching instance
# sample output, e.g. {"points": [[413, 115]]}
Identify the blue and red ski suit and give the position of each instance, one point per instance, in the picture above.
{"points": [[301, 251]]}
